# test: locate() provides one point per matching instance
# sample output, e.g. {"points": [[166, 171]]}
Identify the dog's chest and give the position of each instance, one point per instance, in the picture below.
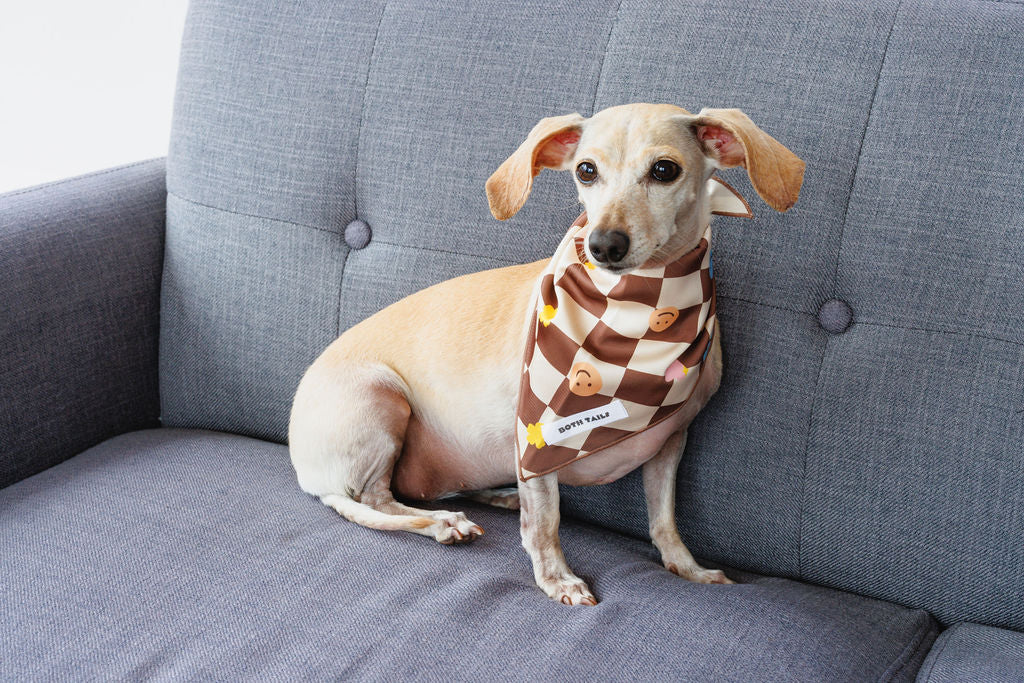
{"points": [[619, 460], [610, 356]]}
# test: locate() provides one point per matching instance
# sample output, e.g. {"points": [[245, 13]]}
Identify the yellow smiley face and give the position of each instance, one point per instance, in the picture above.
{"points": [[662, 318]]}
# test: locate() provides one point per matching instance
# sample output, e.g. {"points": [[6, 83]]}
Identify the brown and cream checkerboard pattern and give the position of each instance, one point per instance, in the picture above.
{"points": [[622, 351], [599, 338]]}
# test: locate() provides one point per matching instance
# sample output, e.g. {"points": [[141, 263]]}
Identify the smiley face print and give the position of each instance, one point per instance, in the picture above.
{"points": [[662, 318], [584, 380]]}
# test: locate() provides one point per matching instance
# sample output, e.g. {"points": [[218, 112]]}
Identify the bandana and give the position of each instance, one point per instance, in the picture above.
{"points": [[608, 355]]}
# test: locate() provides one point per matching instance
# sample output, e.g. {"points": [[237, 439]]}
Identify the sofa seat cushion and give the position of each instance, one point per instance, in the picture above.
{"points": [[965, 653], [190, 554]]}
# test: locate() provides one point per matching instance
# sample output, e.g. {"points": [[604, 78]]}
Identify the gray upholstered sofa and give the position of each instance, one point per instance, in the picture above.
{"points": [[861, 471]]}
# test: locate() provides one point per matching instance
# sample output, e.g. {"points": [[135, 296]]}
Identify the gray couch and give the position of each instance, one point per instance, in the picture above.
{"points": [[861, 471]]}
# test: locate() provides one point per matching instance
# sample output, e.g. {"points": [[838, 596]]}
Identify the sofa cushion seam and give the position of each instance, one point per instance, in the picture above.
{"points": [[803, 477], [183, 198], [359, 146], [835, 282], [73, 179], [938, 653], [492, 258], [906, 655], [860, 146], [604, 56], [445, 251], [761, 303], [940, 331]]}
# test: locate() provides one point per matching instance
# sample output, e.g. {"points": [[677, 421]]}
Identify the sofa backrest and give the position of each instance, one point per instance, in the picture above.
{"points": [[886, 457]]}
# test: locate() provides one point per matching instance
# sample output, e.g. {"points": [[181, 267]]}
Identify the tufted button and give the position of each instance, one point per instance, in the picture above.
{"points": [[835, 315], [357, 234]]}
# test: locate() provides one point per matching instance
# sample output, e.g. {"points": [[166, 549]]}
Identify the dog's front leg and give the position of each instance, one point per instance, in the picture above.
{"points": [[660, 490], [538, 519]]}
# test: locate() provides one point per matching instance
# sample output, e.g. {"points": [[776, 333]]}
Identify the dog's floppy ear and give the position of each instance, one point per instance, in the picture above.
{"points": [[551, 144], [730, 139]]}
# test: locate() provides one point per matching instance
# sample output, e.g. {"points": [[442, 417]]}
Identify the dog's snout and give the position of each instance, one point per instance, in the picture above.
{"points": [[608, 246]]}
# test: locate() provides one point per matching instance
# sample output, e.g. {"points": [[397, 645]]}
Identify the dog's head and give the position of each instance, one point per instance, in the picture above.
{"points": [[641, 171]]}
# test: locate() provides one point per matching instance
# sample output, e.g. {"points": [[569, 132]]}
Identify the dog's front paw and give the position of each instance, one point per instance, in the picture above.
{"points": [[567, 589], [454, 527], [698, 574]]}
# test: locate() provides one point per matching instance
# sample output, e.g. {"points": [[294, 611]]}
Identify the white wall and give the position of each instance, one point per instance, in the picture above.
{"points": [[84, 85]]}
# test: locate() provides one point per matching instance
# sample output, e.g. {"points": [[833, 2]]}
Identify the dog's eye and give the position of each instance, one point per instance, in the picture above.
{"points": [[665, 171], [586, 172]]}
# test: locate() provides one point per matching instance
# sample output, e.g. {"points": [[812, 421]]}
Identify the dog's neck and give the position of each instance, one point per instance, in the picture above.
{"points": [[622, 349]]}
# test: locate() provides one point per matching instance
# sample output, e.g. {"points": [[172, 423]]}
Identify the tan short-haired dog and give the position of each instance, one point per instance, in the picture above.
{"points": [[420, 399]]}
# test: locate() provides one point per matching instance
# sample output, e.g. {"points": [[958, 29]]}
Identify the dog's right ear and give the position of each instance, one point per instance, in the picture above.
{"points": [[730, 138], [551, 144]]}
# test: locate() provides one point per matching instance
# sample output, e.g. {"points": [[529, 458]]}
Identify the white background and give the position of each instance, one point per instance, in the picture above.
{"points": [[84, 85]]}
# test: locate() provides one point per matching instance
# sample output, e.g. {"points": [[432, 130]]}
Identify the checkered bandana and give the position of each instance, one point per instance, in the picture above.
{"points": [[610, 355]]}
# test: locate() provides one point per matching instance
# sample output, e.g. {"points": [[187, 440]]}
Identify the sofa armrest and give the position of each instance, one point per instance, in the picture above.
{"points": [[80, 265]]}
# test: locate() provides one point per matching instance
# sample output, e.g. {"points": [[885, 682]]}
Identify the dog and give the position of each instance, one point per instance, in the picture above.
{"points": [[419, 400]]}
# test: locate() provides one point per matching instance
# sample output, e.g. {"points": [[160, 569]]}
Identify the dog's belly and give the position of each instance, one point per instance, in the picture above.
{"points": [[619, 460], [441, 456], [434, 464]]}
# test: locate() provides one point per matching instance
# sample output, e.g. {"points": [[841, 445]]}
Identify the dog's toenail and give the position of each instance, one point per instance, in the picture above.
{"points": [[566, 600]]}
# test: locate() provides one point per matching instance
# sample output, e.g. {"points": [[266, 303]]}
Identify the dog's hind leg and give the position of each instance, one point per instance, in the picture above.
{"points": [[347, 428], [507, 498], [447, 527]]}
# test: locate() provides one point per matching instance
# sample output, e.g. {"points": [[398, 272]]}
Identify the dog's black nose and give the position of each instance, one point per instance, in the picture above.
{"points": [[608, 246]]}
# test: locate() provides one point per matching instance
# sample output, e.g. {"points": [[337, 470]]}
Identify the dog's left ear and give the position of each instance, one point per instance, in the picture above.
{"points": [[730, 139], [551, 144]]}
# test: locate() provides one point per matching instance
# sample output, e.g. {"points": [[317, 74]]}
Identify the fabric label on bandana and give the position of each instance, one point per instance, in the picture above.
{"points": [[582, 422], [610, 355]]}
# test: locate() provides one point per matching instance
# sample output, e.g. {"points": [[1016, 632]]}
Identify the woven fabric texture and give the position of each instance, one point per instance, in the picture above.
{"points": [[972, 653], [865, 459], [80, 264], [630, 348], [178, 554]]}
